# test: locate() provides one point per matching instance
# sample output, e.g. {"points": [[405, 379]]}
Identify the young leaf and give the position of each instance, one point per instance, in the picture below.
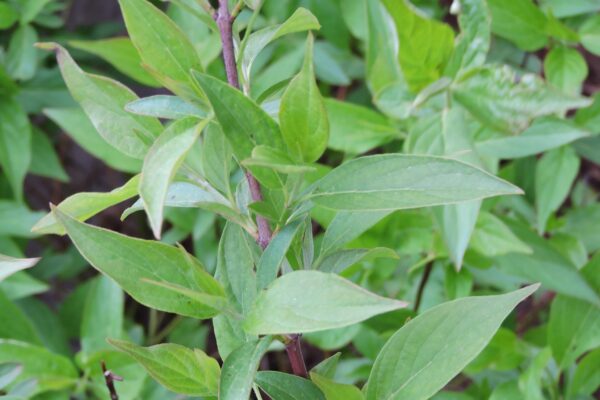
{"points": [[162, 162], [163, 47], [165, 107], [334, 390], [425, 45], [21, 58], [590, 34], [426, 353], [10, 265], [121, 54], [239, 369], [394, 181], [554, 176], [242, 121], [566, 69], [83, 206], [104, 102], [519, 21], [217, 159], [310, 301], [302, 114], [15, 143], [280, 386], [274, 255], [492, 96], [133, 262], [182, 370]]}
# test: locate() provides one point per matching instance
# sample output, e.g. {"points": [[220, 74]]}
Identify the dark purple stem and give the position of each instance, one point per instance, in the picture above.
{"points": [[110, 379], [293, 349], [225, 22]]}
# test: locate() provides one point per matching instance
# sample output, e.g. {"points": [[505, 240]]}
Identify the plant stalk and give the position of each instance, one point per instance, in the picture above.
{"points": [[224, 22]]}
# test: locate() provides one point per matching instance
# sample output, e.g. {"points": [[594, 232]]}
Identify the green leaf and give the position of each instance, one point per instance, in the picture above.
{"points": [[473, 43], [162, 162], [545, 134], [554, 176], [217, 158], [165, 107], [277, 160], [8, 16], [239, 369], [566, 69], [495, 97], [17, 219], [163, 47], [328, 366], [21, 58], [83, 206], [582, 223], [310, 301], [15, 143], [10, 265], [280, 386], [20, 326], [104, 101], [52, 371], [394, 181], [78, 126], [334, 390], [519, 21], [427, 352], [102, 315], [561, 8], [347, 226], [590, 34], [30, 9], [301, 20], [425, 45], [302, 114], [133, 262], [274, 255], [586, 378], [121, 54], [493, 238], [242, 121], [340, 260], [356, 129], [182, 370], [44, 160]]}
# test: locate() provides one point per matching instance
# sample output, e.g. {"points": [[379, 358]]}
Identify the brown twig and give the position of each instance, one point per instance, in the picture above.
{"points": [[110, 379], [293, 349], [422, 284], [225, 22]]}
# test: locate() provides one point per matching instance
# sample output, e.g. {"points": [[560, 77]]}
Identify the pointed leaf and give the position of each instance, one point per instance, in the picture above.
{"points": [[165, 107], [280, 386], [15, 143], [10, 265]]}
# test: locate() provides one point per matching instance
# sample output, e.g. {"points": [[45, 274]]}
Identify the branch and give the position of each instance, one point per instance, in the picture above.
{"points": [[424, 280], [110, 379]]}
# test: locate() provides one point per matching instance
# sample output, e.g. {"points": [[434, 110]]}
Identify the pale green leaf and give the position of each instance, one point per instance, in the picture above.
{"points": [[21, 326], [310, 301], [17, 219], [302, 114], [277, 160], [165, 107], [590, 34], [162, 162], [493, 238], [182, 370], [15, 143], [519, 21], [239, 369], [336, 391], [586, 378], [85, 205], [132, 262], [21, 58], [566, 69], [121, 54], [280, 386], [394, 181], [561, 8], [427, 352], [104, 102], [347, 226], [554, 176], [275, 253], [44, 160], [10, 265], [338, 261]]}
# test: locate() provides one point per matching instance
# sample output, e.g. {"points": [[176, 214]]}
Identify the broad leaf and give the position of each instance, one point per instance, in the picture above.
{"points": [[554, 176], [566, 69], [394, 181], [347, 226], [239, 369], [83, 206], [104, 102], [493, 96], [336, 391], [15, 143], [310, 301], [10, 265], [302, 114], [590, 34], [132, 263], [492, 237], [121, 54], [426, 353], [182, 370], [519, 21], [280, 386], [162, 162], [21, 58], [163, 47]]}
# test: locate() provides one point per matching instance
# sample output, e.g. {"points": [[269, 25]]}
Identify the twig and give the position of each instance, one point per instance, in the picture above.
{"points": [[293, 349], [224, 22], [424, 279], [110, 379]]}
